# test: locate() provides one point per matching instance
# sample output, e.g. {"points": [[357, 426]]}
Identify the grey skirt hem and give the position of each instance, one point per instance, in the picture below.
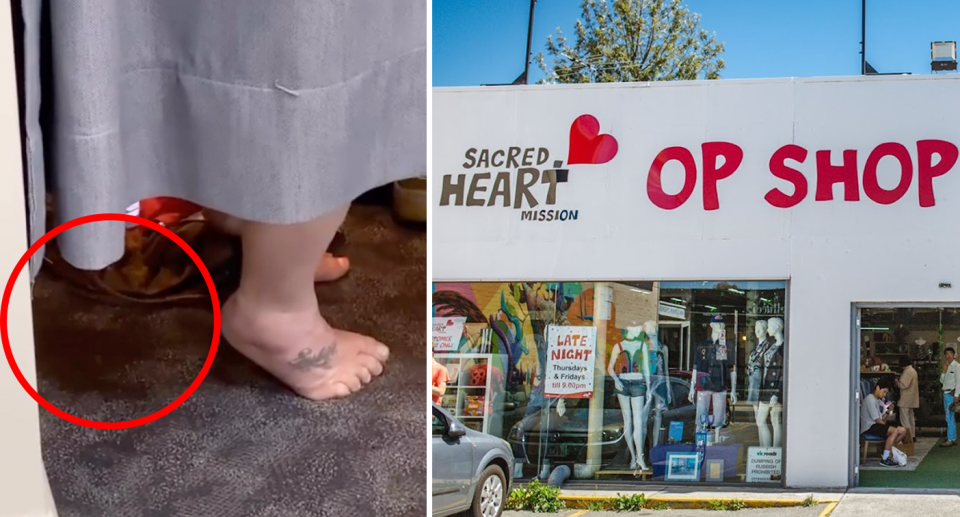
{"points": [[274, 155]]}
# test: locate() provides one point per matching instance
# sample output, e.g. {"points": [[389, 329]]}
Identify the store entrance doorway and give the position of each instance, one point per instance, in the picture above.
{"points": [[898, 358], [676, 335]]}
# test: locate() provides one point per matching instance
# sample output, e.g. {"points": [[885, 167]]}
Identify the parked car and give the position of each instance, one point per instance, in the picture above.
{"points": [[472, 472], [566, 436]]}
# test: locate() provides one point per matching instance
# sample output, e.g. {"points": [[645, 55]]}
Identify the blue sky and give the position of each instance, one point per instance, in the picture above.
{"points": [[483, 41]]}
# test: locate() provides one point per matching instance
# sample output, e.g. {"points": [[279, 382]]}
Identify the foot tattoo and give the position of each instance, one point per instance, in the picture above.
{"points": [[287, 345], [308, 360]]}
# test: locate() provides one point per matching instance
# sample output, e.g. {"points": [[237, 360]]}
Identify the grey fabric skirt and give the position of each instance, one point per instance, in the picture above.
{"points": [[275, 111]]}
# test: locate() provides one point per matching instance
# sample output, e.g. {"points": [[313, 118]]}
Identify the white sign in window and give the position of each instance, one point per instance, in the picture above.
{"points": [[571, 356]]}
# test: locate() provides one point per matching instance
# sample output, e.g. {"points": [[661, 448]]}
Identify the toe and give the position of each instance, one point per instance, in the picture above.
{"points": [[367, 345], [331, 268], [334, 390], [364, 374], [371, 364], [377, 350], [352, 382], [342, 390]]}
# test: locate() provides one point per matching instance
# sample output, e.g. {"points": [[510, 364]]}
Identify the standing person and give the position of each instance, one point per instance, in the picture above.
{"points": [[909, 395], [439, 379], [873, 421], [274, 115], [951, 390]]}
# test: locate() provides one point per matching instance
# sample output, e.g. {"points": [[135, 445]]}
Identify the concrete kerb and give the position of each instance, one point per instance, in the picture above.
{"points": [[706, 501]]}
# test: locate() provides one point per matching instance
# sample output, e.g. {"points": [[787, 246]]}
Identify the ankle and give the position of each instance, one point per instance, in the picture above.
{"points": [[277, 301], [270, 328]]}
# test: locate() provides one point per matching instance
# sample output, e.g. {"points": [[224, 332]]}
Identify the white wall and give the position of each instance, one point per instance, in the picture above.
{"points": [[24, 491], [833, 252]]}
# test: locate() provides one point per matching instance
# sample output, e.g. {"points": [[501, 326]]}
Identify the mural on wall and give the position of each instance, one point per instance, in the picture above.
{"points": [[517, 315], [512, 317]]}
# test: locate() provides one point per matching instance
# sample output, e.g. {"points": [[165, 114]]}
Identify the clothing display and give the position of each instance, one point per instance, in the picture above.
{"points": [[273, 112], [754, 360], [633, 388], [660, 385], [754, 370], [713, 361], [634, 353], [659, 379], [753, 386], [929, 414], [772, 378], [632, 363], [719, 402]]}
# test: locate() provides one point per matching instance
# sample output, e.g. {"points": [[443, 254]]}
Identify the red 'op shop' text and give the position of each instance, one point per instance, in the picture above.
{"points": [[828, 173]]}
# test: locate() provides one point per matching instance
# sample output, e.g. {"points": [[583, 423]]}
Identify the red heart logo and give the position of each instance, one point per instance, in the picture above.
{"points": [[449, 323], [587, 145]]}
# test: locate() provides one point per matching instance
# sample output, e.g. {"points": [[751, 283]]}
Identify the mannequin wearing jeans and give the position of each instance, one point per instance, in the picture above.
{"points": [[771, 386], [712, 358], [632, 382]]}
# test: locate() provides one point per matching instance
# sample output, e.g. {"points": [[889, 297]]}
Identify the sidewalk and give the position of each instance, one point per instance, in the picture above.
{"points": [[858, 503], [838, 503]]}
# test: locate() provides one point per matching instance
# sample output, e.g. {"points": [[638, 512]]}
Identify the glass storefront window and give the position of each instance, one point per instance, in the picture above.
{"points": [[598, 376]]}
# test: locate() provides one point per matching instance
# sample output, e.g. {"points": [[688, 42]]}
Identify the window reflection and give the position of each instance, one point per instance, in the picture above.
{"points": [[519, 376]]}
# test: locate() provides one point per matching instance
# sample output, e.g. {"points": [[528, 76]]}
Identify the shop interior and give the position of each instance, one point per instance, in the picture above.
{"points": [[893, 340], [626, 429]]}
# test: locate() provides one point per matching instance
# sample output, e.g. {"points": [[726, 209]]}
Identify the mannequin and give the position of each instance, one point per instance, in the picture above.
{"points": [[632, 382], [660, 377], [715, 360], [755, 364], [771, 386]]}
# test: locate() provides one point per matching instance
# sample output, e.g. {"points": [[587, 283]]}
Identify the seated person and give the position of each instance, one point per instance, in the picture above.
{"points": [[873, 421], [440, 379]]}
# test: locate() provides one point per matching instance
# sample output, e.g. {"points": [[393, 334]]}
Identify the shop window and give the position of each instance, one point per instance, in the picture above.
{"points": [[642, 381]]}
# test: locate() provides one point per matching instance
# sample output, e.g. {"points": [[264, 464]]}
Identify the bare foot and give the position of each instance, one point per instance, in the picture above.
{"points": [[329, 268], [302, 350]]}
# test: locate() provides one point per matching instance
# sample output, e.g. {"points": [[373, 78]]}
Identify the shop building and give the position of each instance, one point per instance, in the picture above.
{"points": [[672, 230]]}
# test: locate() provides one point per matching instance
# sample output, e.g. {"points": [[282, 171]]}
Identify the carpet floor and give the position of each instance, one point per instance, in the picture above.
{"points": [[938, 470], [243, 444]]}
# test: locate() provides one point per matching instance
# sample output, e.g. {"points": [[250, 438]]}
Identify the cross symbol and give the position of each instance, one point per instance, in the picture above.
{"points": [[561, 174]]}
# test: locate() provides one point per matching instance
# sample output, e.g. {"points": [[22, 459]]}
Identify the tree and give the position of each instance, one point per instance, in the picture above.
{"points": [[633, 40]]}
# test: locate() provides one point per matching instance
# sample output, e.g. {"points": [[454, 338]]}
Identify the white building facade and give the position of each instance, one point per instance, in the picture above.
{"points": [[837, 193]]}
